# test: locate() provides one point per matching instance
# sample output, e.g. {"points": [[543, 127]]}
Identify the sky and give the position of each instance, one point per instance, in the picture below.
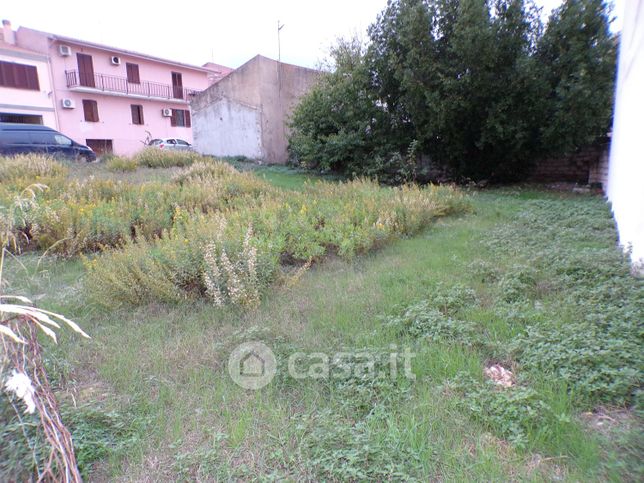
{"points": [[227, 32]]}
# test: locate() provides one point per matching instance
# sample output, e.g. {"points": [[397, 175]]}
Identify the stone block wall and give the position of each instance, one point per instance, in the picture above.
{"points": [[587, 166]]}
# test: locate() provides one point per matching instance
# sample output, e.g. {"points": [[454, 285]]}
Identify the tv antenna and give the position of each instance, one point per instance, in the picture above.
{"points": [[279, 46]]}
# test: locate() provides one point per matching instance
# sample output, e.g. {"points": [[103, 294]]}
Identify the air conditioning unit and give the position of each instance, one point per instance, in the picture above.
{"points": [[166, 112], [116, 60], [64, 50], [68, 103]]}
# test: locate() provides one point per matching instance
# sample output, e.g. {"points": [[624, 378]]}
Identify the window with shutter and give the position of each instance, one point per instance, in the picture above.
{"points": [[137, 114], [177, 85], [90, 109], [132, 73], [19, 76], [85, 70], [180, 118]]}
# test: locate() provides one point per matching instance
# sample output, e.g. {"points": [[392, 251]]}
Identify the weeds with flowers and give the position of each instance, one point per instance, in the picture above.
{"points": [[209, 231]]}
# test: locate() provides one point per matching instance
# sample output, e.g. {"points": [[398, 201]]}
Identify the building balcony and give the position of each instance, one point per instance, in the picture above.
{"points": [[120, 86]]}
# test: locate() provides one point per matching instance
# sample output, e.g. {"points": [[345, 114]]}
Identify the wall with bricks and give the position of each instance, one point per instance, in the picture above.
{"points": [[587, 166]]}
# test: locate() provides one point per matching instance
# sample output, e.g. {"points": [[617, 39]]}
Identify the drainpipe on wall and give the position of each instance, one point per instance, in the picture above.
{"points": [[51, 83]]}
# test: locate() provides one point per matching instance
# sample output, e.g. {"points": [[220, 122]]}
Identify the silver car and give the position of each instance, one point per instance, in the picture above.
{"points": [[171, 143]]}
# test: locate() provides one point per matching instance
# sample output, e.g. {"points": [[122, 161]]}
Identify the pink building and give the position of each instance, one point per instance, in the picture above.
{"points": [[26, 93], [113, 99]]}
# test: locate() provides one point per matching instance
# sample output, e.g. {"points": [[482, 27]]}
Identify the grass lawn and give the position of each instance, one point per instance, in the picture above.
{"points": [[155, 401], [281, 176]]}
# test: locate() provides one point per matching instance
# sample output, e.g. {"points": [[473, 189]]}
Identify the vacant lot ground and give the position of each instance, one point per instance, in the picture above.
{"points": [[528, 281]]}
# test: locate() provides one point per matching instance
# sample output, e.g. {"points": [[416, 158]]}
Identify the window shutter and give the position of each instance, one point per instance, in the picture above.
{"points": [[85, 70], [20, 76], [186, 115], [87, 110], [32, 77], [137, 114], [132, 73], [90, 110], [173, 118]]}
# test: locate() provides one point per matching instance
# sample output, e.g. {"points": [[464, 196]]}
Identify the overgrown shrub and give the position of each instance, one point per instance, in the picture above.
{"points": [[160, 158], [231, 278], [482, 89], [29, 166], [119, 163], [71, 217], [288, 227]]}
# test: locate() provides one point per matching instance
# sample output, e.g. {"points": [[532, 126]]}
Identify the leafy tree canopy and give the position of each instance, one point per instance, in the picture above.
{"points": [[478, 87]]}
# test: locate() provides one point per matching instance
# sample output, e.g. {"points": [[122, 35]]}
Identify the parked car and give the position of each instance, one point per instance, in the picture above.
{"points": [[171, 143], [34, 138]]}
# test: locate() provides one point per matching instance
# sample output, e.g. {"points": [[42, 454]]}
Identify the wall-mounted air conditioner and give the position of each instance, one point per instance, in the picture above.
{"points": [[115, 60], [166, 112], [68, 103], [64, 50]]}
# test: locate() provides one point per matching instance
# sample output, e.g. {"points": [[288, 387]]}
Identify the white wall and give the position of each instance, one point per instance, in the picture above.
{"points": [[228, 128], [626, 170]]}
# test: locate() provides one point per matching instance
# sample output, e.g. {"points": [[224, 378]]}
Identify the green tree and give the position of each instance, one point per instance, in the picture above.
{"points": [[459, 74], [334, 127], [577, 54], [476, 86]]}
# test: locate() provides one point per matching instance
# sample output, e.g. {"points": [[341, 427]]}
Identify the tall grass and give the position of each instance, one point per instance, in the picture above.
{"points": [[29, 167], [121, 164], [159, 237], [158, 158], [195, 257], [72, 217]]}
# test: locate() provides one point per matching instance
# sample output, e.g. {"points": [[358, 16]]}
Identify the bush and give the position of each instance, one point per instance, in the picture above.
{"points": [[118, 163], [523, 91], [291, 227], [159, 158], [29, 166], [72, 217]]}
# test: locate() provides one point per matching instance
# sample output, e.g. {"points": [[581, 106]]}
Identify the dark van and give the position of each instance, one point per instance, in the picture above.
{"points": [[34, 138]]}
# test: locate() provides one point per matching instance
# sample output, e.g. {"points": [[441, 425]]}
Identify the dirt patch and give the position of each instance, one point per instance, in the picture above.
{"points": [[607, 420]]}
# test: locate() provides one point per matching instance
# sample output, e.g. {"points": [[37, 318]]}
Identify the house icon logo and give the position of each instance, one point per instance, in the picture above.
{"points": [[252, 365]]}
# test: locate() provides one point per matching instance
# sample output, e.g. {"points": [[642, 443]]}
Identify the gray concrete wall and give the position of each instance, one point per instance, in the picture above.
{"points": [[247, 112], [228, 128]]}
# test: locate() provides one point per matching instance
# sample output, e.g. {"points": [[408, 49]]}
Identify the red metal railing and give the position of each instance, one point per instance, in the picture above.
{"points": [[111, 83]]}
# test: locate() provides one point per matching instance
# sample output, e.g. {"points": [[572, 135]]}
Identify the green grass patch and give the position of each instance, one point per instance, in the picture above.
{"points": [[499, 285]]}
